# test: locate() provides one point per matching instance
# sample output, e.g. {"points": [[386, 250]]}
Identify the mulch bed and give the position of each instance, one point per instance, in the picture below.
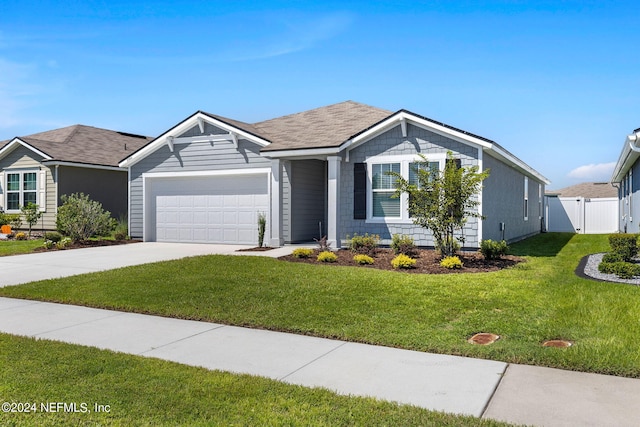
{"points": [[89, 244], [428, 261], [256, 249]]}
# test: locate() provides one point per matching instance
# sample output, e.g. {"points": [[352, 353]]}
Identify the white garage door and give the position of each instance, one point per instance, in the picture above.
{"points": [[211, 209]]}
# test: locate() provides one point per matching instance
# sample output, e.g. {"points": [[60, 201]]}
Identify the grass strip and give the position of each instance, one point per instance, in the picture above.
{"points": [[136, 391], [535, 301]]}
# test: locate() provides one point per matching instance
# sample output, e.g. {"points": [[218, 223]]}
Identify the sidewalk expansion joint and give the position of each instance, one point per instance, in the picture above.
{"points": [[181, 339], [312, 361], [493, 392], [79, 323]]}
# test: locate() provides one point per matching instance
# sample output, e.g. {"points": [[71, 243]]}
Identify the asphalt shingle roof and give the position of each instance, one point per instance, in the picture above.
{"points": [[85, 144], [322, 127], [592, 190]]}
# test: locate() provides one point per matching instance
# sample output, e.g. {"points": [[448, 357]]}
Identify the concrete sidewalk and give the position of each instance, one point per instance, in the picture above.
{"points": [[482, 388]]}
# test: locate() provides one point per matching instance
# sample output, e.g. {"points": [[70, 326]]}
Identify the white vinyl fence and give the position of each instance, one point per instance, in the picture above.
{"points": [[581, 215]]}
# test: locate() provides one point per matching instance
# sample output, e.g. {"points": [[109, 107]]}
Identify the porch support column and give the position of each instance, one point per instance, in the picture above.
{"points": [[276, 204], [333, 201]]}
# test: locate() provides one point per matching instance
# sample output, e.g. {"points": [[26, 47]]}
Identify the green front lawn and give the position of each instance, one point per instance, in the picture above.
{"points": [[17, 247], [535, 301], [135, 391]]}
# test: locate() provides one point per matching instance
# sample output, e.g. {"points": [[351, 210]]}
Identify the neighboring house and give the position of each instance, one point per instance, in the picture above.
{"points": [[40, 168], [586, 208], [628, 187], [318, 172]]}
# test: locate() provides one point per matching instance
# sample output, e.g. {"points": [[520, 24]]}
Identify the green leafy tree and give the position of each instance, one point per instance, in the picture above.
{"points": [[442, 201], [81, 218], [31, 214]]}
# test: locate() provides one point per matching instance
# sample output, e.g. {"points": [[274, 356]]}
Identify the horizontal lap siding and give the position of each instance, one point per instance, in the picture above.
{"points": [[503, 202], [196, 156], [392, 143], [23, 158]]}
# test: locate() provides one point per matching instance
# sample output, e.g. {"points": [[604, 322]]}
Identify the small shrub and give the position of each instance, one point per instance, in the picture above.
{"points": [[262, 226], [402, 244], [81, 218], [121, 232], [366, 244], [65, 242], [493, 250], [48, 244], [5, 229], [450, 243], [624, 270], [451, 262], [327, 256], [403, 261], [21, 236], [302, 252], [612, 257], [53, 236], [14, 220], [624, 245], [363, 259], [31, 214], [323, 243]]}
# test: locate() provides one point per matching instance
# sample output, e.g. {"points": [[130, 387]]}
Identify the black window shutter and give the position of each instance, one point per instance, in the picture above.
{"points": [[359, 191], [457, 162]]}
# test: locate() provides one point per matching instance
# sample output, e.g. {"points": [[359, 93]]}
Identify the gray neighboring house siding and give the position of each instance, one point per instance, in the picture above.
{"points": [[503, 202], [196, 156], [98, 184], [392, 143]]}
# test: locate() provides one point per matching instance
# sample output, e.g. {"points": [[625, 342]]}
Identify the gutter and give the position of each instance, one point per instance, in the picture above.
{"points": [[627, 156]]}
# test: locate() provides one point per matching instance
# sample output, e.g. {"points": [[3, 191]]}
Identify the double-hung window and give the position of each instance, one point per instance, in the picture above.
{"points": [[383, 188], [383, 206], [21, 189]]}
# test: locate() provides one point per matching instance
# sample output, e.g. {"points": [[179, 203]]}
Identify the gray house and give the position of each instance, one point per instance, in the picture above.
{"points": [[40, 168], [318, 172], [628, 188]]}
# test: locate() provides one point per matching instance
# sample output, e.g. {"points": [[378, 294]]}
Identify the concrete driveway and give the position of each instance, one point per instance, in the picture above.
{"points": [[26, 268]]}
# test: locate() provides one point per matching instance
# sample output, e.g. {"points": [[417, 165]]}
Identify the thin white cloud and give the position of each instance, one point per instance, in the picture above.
{"points": [[299, 33], [595, 172], [14, 89], [21, 91]]}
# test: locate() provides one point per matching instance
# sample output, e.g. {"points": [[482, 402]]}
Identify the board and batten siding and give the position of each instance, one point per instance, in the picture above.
{"points": [[20, 159], [195, 156], [503, 203], [308, 200], [391, 143]]}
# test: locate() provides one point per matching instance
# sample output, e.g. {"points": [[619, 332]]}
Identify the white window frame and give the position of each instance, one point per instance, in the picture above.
{"points": [[539, 201], [526, 198], [630, 192], [39, 188], [405, 161]]}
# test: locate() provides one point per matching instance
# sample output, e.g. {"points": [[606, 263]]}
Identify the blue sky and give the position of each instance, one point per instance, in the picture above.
{"points": [[554, 82]]}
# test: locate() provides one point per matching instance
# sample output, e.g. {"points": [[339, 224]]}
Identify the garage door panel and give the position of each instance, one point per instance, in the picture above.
{"points": [[215, 209]]}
